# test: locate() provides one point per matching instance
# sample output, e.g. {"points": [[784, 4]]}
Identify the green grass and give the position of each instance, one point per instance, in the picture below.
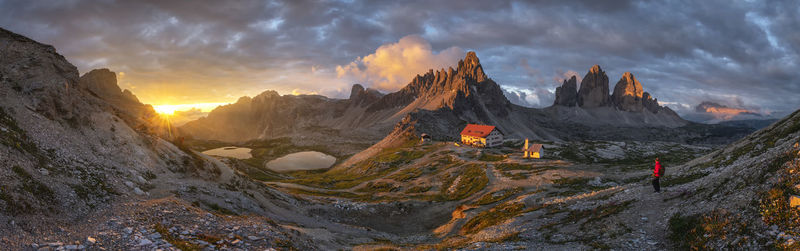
{"points": [[492, 217], [15, 137], [523, 167], [377, 187], [598, 213], [408, 174], [339, 194], [32, 186], [418, 189], [344, 179], [702, 231], [493, 197], [514, 176], [387, 161], [471, 179], [492, 157]]}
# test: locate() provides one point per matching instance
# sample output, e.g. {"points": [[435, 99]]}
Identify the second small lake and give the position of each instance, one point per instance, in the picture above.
{"points": [[309, 160], [230, 152]]}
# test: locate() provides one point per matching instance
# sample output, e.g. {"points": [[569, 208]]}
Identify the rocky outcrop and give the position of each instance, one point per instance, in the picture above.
{"points": [[650, 103], [567, 93], [102, 83], [627, 94], [594, 89], [359, 96]]}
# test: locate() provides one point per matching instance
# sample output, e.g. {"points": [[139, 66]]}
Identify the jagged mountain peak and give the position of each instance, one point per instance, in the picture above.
{"points": [[628, 94], [594, 89], [596, 69], [471, 67], [567, 93]]}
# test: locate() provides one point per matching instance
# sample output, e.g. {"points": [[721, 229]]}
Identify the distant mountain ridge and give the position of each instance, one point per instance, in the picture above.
{"points": [[441, 102], [272, 115]]}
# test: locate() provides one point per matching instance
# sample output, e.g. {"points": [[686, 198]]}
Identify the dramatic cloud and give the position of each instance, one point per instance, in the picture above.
{"points": [[723, 112], [182, 52], [719, 110], [392, 66], [538, 97]]}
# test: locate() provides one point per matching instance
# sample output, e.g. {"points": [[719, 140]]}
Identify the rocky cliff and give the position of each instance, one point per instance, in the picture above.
{"points": [[628, 95], [594, 89], [567, 93], [102, 83]]}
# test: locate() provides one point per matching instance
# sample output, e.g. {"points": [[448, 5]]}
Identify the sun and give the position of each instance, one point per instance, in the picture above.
{"points": [[166, 110], [170, 109]]}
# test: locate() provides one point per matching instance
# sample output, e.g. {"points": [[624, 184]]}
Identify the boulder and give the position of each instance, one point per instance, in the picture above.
{"points": [[628, 94], [594, 89], [567, 93]]}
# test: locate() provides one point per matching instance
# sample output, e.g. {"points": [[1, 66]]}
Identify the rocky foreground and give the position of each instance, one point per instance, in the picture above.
{"points": [[166, 224]]}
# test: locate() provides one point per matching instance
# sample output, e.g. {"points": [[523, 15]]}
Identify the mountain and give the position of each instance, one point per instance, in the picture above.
{"points": [[628, 95], [78, 150], [71, 144], [102, 83], [594, 89], [441, 102], [366, 113], [567, 93]]}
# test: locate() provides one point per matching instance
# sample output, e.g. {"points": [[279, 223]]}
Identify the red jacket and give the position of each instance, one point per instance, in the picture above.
{"points": [[658, 171]]}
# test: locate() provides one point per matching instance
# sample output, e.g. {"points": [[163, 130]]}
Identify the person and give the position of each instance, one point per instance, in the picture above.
{"points": [[658, 171]]}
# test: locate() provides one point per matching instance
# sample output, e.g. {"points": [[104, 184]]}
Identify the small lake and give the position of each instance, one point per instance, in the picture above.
{"points": [[230, 152], [309, 160]]}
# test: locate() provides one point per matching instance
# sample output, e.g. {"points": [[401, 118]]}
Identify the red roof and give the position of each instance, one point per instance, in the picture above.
{"points": [[480, 131], [534, 148]]}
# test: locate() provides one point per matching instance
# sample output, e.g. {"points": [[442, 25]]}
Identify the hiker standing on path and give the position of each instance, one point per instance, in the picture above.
{"points": [[657, 172]]}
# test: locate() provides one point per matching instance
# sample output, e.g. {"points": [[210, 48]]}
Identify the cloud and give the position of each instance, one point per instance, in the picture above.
{"points": [[392, 66], [566, 75], [179, 51], [538, 97], [723, 112]]}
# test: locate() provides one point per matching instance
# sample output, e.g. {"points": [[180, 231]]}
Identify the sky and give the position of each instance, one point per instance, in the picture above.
{"points": [[704, 59]]}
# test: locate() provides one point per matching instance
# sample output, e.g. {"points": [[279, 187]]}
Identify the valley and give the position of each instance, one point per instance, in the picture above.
{"points": [[426, 196]]}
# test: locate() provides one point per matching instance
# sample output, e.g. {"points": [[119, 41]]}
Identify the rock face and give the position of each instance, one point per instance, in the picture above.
{"points": [[567, 93], [64, 136], [360, 96], [594, 89], [650, 103], [628, 94], [103, 84]]}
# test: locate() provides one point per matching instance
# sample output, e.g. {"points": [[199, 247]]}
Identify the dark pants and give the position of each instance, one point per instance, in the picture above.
{"points": [[656, 185]]}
